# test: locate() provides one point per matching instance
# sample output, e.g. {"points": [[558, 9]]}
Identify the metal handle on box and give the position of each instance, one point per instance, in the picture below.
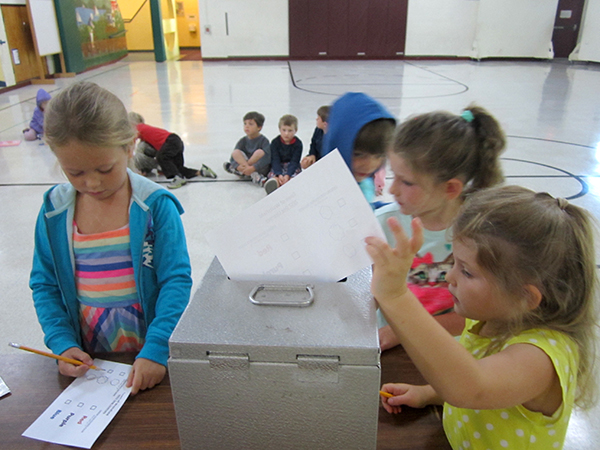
{"points": [[282, 295]]}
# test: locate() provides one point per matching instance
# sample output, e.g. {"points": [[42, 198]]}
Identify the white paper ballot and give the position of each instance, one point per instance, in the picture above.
{"points": [[310, 229], [81, 413]]}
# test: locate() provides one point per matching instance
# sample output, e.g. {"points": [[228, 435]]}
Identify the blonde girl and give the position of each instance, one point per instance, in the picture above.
{"points": [[438, 158], [524, 277], [111, 270]]}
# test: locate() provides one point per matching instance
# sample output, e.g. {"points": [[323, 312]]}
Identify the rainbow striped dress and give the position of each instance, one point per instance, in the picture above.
{"points": [[111, 315]]}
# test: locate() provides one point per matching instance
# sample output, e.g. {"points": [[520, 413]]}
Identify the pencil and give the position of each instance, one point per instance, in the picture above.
{"points": [[52, 355], [386, 394]]}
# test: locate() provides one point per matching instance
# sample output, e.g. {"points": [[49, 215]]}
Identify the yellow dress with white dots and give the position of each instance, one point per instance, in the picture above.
{"points": [[516, 427]]}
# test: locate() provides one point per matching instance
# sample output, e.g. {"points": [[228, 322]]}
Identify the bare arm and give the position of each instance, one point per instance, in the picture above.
{"points": [[519, 374]]}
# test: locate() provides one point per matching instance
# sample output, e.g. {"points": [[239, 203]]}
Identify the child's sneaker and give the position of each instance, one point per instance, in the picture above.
{"points": [[176, 182], [227, 167], [271, 185], [257, 178], [207, 172]]}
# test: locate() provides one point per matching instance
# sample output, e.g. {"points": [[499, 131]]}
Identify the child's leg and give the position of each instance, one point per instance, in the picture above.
{"points": [[239, 158], [144, 164], [169, 154], [256, 156], [30, 134]]}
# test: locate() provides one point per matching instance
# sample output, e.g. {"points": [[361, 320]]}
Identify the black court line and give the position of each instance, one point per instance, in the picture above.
{"points": [[584, 186], [533, 138], [465, 87], [155, 181]]}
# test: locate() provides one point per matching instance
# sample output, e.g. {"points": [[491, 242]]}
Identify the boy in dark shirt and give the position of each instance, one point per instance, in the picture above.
{"points": [[286, 150], [316, 141]]}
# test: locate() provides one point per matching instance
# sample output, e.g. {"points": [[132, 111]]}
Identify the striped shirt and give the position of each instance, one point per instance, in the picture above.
{"points": [[111, 314]]}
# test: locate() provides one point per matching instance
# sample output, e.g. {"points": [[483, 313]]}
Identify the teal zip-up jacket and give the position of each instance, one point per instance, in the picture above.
{"points": [[161, 266]]}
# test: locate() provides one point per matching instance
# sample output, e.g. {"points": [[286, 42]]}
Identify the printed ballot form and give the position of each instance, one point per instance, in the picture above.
{"points": [[310, 229], [81, 413]]}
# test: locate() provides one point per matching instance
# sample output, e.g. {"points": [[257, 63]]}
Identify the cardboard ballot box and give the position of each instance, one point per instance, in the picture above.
{"points": [[277, 366]]}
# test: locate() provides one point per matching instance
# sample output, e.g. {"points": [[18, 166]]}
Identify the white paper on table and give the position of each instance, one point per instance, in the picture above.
{"points": [[84, 409], [310, 229]]}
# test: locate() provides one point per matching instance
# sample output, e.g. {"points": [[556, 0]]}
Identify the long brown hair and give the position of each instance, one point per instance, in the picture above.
{"points": [[446, 146], [527, 238]]}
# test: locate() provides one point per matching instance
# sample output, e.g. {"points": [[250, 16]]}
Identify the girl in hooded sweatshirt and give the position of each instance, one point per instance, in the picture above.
{"points": [[36, 126], [361, 129]]}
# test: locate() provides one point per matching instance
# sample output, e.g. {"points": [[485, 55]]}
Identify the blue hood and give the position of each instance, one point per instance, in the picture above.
{"points": [[347, 116], [41, 96]]}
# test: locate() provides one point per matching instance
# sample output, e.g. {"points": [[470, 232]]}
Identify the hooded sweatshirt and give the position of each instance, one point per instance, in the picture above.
{"points": [[37, 121], [161, 268], [347, 116]]}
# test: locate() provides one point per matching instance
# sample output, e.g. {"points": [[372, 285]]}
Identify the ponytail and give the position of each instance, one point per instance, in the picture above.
{"points": [[446, 146], [490, 143]]}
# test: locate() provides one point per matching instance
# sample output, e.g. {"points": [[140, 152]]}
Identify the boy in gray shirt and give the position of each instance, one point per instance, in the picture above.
{"points": [[252, 152]]}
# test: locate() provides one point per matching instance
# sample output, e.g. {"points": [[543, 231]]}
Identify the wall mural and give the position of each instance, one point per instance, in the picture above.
{"points": [[101, 28]]}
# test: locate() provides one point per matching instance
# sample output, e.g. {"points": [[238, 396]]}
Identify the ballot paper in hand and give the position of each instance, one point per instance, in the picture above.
{"points": [[310, 229], [81, 413]]}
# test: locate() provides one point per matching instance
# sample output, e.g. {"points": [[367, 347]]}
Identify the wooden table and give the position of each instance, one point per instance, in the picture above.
{"points": [[147, 420]]}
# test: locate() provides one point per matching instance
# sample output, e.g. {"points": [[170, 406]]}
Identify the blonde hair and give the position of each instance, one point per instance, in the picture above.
{"points": [[446, 146], [527, 238], [135, 118], [289, 121], [90, 114]]}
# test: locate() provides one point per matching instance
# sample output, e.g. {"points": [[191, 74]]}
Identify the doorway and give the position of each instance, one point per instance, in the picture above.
{"points": [[347, 29], [566, 27], [20, 42]]}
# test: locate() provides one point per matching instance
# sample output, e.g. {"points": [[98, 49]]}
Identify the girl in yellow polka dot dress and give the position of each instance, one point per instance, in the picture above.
{"points": [[524, 277]]}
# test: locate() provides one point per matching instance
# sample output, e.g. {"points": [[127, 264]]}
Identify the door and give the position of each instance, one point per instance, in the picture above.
{"points": [[20, 42], [566, 27], [353, 29]]}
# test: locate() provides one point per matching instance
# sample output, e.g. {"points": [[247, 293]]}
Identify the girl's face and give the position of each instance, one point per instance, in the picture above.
{"points": [[476, 292], [365, 164], [98, 172], [417, 194]]}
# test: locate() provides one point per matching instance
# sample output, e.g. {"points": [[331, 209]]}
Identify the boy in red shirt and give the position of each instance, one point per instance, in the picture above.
{"points": [[167, 148]]}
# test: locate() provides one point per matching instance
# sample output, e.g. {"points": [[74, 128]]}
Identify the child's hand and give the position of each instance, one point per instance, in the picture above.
{"points": [[307, 161], [248, 170], [145, 374], [391, 265], [405, 394], [387, 338], [71, 370]]}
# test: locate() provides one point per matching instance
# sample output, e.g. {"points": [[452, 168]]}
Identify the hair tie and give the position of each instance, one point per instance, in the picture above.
{"points": [[562, 203], [467, 115]]}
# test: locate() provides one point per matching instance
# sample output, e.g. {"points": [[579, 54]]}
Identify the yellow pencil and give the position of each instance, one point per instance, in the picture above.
{"points": [[386, 394], [52, 355]]}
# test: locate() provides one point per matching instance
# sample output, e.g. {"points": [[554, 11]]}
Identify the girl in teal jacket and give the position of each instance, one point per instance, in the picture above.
{"points": [[111, 271]]}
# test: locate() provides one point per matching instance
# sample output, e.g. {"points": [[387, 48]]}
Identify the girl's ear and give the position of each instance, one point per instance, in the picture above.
{"points": [[454, 188], [533, 295], [130, 149]]}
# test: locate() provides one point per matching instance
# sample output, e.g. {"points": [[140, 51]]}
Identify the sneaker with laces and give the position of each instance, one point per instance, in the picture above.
{"points": [[207, 172], [270, 185], [176, 182], [228, 168], [258, 179]]}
